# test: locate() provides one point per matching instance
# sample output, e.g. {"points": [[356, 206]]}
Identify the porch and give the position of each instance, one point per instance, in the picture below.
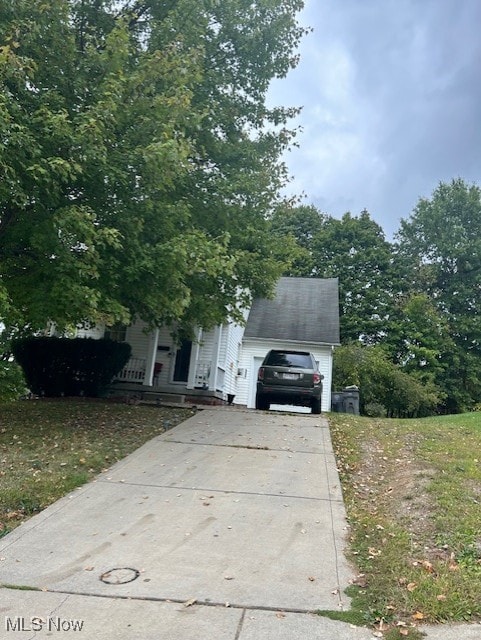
{"points": [[204, 385]]}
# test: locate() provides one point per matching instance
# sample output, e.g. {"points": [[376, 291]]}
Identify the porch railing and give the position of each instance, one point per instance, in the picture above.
{"points": [[202, 375], [203, 380], [134, 371]]}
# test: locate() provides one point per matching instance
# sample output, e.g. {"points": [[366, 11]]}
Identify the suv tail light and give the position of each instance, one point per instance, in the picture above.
{"points": [[260, 375], [317, 378]]}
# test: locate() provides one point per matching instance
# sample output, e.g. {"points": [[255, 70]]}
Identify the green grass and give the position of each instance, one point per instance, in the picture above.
{"points": [[50, 447], [412, 490]]}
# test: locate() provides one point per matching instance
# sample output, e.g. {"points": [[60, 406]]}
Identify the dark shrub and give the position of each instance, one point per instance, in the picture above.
{"points": [[70, 367]]}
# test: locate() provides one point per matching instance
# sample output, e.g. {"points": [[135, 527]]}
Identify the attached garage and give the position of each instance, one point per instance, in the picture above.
{"points": [[303, 316]]}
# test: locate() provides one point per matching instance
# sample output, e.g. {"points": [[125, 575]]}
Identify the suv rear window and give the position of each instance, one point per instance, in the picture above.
{"points": [[288, 359]]}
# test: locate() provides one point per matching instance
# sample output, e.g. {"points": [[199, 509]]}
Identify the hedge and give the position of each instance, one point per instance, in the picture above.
{"points": [[69, 366]]}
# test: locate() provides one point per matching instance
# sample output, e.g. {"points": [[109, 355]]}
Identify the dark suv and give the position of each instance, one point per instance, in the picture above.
{"points": [[289, 377]]}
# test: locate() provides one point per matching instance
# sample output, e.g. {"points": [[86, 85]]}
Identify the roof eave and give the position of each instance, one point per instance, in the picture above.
{"points": [[323, 344]]}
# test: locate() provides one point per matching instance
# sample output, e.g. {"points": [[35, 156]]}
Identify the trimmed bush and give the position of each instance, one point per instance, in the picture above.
{"points": [[12, 383], [70, 367]]}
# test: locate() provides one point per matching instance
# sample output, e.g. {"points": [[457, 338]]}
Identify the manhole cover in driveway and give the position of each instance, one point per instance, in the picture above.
{"points": [[121, 575]]}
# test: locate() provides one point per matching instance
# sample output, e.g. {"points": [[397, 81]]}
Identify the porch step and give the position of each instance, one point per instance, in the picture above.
{"points": [[139, 392]]}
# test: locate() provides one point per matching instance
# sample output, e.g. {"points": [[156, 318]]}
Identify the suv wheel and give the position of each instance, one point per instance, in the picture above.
{"points": [[316, 406], [262, 403]]}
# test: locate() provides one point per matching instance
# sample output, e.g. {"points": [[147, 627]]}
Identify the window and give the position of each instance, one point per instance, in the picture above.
{"points": [[289, 359]]}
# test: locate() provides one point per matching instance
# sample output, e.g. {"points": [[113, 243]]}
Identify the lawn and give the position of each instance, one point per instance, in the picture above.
{"points": [[412, 490], [49, 447]]}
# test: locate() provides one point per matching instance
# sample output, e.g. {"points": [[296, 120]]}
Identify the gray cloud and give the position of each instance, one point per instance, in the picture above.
{"points": [[391, 103]]}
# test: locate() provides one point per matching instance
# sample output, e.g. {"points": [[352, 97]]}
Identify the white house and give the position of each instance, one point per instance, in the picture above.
{"points": [[221, 364]]}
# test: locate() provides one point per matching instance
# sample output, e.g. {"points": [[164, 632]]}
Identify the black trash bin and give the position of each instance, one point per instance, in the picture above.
{"points": [[351, 400], [337, 402]]}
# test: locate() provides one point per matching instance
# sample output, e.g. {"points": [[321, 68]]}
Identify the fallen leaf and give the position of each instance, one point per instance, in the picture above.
{"points": [[279, 614], [189, 603], [411, 586], [418, 615], [441, 597], [90, 568], [428, 566], [360, 581]]}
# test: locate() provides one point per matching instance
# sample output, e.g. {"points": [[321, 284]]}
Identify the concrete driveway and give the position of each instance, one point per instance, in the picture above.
{"points": [[229, 526]]}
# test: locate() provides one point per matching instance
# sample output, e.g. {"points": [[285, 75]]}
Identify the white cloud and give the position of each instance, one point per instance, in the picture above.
{"points": [[392, 103]]}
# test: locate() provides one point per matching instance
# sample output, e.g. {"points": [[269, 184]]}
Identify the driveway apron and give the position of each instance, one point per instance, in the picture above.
{"points": [[231, 525]]}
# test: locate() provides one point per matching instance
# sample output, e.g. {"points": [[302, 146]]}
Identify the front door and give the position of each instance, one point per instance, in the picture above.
{"points": [[182, 361]]}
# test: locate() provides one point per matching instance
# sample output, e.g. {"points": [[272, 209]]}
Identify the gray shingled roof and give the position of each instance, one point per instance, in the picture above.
{"points": [[303, 310]]}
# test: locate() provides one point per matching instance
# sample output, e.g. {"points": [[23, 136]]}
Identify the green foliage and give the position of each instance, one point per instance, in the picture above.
{"points": [[352, 249], [12, 382], [419, 298], [411, 489], [70, 367], [139, 159], [298, 227], [383, 386], [441, 246]]}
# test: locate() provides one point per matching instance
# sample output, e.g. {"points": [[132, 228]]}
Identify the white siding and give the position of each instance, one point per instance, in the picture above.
{"points": [[235, 333], [254, 351], [206, 346], [138, 338]]}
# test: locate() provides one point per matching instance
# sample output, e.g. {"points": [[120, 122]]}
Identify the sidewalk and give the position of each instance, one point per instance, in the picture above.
{"points": [[230, 526]]}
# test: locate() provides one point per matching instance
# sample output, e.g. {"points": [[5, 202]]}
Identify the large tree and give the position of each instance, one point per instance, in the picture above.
{"points": [[353, 249], [441, 243], [298, 227], [139, 159]]}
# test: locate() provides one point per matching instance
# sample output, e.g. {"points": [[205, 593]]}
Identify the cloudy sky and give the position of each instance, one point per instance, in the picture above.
{"points": [[391, 98]]}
